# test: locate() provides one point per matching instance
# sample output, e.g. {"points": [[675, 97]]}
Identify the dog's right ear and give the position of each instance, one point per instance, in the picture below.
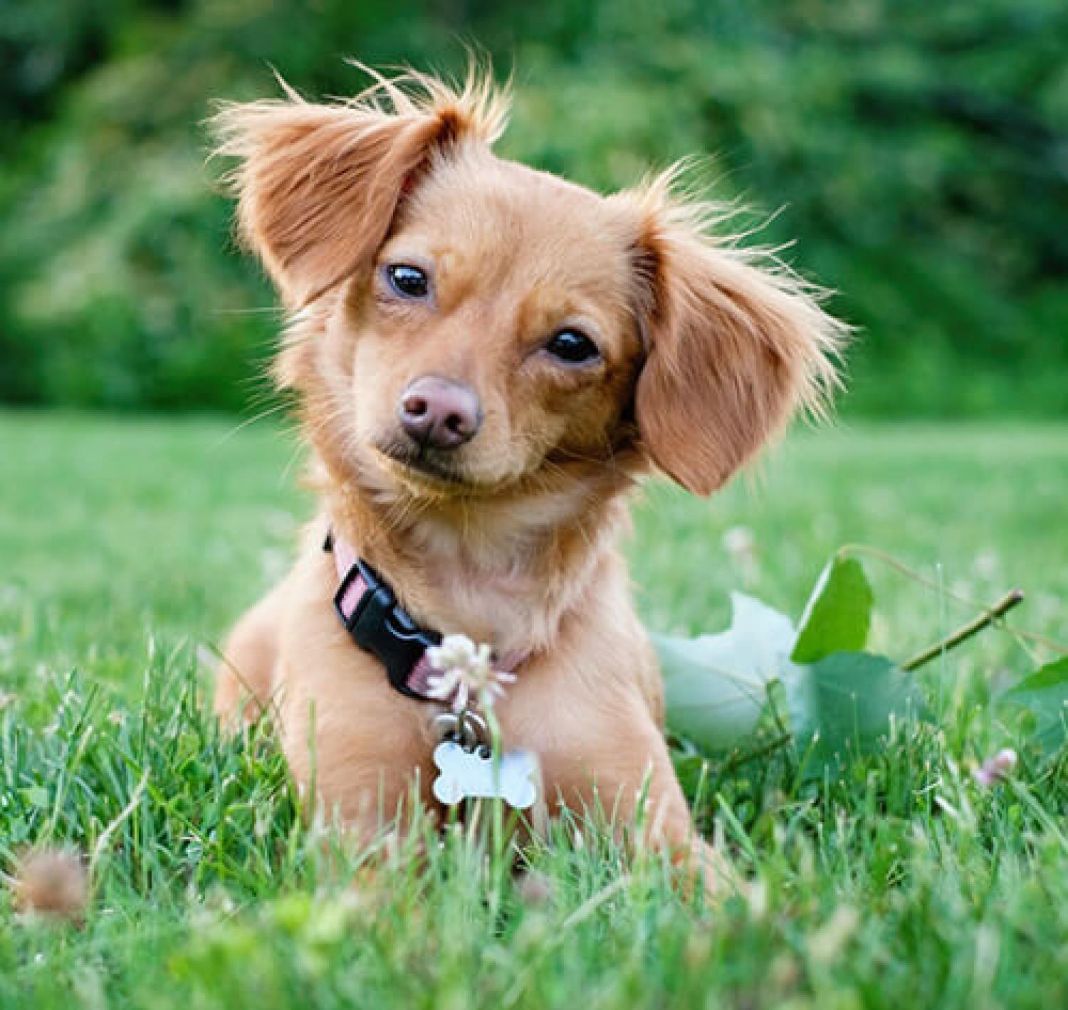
{"points": [[318, 185]]}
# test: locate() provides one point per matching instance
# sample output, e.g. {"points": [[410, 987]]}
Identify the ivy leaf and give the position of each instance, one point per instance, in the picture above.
{"points": [[844, 703], [838, 613], [1045, 695], [715, 686]]}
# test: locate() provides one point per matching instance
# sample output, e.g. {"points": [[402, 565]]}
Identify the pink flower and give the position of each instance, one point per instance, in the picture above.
{"points": [[996, 768]]}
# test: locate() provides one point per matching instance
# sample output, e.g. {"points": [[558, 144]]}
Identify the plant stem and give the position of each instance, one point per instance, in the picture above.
{"points": [[962, 634]]}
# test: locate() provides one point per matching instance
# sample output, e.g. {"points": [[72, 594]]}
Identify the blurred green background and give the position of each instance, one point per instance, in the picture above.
{"points": [[916, 151]]}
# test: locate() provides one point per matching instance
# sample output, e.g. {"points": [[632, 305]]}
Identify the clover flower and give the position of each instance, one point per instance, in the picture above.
{"points": [[465, 673], [995, 769], [53, 883]]}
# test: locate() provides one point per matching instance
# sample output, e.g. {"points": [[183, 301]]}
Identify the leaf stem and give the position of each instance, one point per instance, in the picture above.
{"points": [[1011, 599]]}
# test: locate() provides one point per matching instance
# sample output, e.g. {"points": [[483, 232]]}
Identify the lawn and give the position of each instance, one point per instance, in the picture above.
{"points": [[127, 546]]}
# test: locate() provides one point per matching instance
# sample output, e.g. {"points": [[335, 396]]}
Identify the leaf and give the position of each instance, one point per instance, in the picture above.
{"points": [[839, 700], [36, 796], [838, 613], [1045, 695], [844, 703], [715, 686]]}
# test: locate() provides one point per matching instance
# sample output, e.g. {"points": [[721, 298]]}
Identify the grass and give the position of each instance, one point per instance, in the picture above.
{"points": [[127, 545]]}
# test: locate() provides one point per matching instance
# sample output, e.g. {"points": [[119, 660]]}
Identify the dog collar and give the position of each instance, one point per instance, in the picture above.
{"points": [[369, 610], [370, 613]]}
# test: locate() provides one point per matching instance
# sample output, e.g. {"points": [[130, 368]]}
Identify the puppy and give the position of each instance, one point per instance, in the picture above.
{"points": [[487, 358]]}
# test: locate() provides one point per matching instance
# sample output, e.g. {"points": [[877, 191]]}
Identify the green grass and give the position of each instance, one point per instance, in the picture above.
{"points": [[127, 546]]}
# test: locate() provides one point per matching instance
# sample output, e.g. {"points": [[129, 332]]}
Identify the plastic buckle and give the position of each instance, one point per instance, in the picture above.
{"points": [[381, 627]]}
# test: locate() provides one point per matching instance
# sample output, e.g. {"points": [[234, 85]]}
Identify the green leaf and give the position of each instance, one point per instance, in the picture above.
{"points": [[715, 686], [838, 613], [1045, 695], [844, 704]]}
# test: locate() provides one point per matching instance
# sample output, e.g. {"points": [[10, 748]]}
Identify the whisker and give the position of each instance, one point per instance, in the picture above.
{"points": [[241, 426]]}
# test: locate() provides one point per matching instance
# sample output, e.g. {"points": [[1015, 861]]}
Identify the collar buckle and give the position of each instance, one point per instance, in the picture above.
{"points": [[379, 625]]}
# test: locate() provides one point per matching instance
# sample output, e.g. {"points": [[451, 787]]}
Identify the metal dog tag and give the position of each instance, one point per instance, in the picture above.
{"points": [[472, 773]]}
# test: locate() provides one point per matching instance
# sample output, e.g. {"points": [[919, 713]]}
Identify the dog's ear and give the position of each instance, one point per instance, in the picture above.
{"points": [[318, 185], [734, 346]]}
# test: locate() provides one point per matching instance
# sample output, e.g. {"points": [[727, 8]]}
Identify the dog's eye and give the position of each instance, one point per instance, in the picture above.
{"points": [[572, 346], [408, 281]]}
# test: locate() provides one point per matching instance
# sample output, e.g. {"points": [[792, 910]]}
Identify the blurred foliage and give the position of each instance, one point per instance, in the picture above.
{"points": [[917, 152]]}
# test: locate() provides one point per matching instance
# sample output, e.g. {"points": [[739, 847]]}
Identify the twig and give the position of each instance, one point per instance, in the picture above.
{"points": [[743, 759], [863, 550], [987, 617]]}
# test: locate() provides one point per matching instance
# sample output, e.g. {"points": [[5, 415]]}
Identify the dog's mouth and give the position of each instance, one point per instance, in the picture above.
{"points": [[424, 463]]}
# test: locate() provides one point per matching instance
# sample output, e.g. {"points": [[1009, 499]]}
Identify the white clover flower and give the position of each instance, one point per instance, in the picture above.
{"points": [[465, 671], [740, 545], [739, 541]]}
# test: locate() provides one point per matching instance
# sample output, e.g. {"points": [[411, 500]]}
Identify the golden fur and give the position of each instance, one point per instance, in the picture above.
{"points": [[706, 351]]}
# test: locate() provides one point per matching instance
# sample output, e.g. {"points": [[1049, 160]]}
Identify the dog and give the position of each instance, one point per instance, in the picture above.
{"points": [[487, 359]]}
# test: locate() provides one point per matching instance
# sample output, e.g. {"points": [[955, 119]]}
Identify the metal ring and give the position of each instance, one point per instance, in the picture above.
{"points": [[471, 728], [443, 725], [467, 727]]}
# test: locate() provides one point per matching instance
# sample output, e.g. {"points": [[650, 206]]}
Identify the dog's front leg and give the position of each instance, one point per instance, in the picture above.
{"points": [[619, 765], [360, 758]]}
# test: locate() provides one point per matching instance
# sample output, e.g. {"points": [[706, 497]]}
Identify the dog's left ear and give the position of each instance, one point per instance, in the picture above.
{"points": [[734, 348], [318, 185]]}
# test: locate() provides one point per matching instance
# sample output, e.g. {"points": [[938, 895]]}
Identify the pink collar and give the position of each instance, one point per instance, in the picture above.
{"points": [[368, 608]]}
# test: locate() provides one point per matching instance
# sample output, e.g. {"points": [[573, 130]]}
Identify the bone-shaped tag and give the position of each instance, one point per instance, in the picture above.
{"points": [[474, 774]]}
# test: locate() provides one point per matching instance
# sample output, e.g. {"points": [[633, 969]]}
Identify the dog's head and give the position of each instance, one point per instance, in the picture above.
{"points": [[464, 323]]}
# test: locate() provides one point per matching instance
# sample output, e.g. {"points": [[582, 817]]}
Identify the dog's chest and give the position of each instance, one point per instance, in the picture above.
{"points": [[497, 590], [507, 611]]}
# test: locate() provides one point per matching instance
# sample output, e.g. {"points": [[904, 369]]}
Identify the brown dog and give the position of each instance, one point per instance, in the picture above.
{"points": [[486, 359]]}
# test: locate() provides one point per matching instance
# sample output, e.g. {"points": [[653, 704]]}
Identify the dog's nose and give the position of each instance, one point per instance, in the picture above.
{"points": [[439, 413]]}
